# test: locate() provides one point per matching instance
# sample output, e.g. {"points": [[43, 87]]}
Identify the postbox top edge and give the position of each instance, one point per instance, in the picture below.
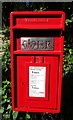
{"points": [[37, 13]]}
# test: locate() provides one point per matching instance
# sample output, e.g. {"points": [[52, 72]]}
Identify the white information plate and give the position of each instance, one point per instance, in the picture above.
{"points": [[37, 78]]}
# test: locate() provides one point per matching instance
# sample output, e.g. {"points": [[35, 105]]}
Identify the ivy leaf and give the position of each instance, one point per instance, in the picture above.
{"points": [[2, 102], [27, 116], [0, 90], [4, 96], [15, 114], [7, 116], [9, 107], [1, 109], [71, 51]]}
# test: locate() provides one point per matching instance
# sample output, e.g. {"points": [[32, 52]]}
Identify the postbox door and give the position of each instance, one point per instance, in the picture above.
{"points": [[46, 95]]}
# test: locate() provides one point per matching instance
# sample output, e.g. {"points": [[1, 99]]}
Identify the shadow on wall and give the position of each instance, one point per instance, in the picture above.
{"points": [[67, 97]]}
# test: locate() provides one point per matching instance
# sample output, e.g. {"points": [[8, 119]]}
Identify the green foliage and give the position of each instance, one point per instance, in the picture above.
{"points": [[40, 9], [6, 86], [68, 61], [15, 114], [68, 21], [68, 47], [6, 97], [27, 117], [5, 32]]}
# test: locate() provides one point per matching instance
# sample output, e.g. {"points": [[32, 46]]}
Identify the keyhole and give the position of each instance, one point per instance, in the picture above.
{"points": [[22, 83]]}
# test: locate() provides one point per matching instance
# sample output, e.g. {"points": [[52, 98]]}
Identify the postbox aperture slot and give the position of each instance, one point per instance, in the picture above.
{"points": [[37, 33], [34, 33]]}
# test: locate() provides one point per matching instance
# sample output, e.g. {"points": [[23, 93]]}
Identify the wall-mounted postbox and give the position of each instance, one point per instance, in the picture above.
{"points": [[37, 40]]}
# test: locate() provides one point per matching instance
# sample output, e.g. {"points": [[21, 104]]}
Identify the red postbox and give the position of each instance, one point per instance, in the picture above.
{"points": [[37, 40]]}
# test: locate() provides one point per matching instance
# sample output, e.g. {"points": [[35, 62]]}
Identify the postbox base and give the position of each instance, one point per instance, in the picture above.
{"points": [[36, 110]]}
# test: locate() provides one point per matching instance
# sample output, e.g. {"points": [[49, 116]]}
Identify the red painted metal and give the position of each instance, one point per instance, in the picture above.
{"points": [[27, 24]]}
